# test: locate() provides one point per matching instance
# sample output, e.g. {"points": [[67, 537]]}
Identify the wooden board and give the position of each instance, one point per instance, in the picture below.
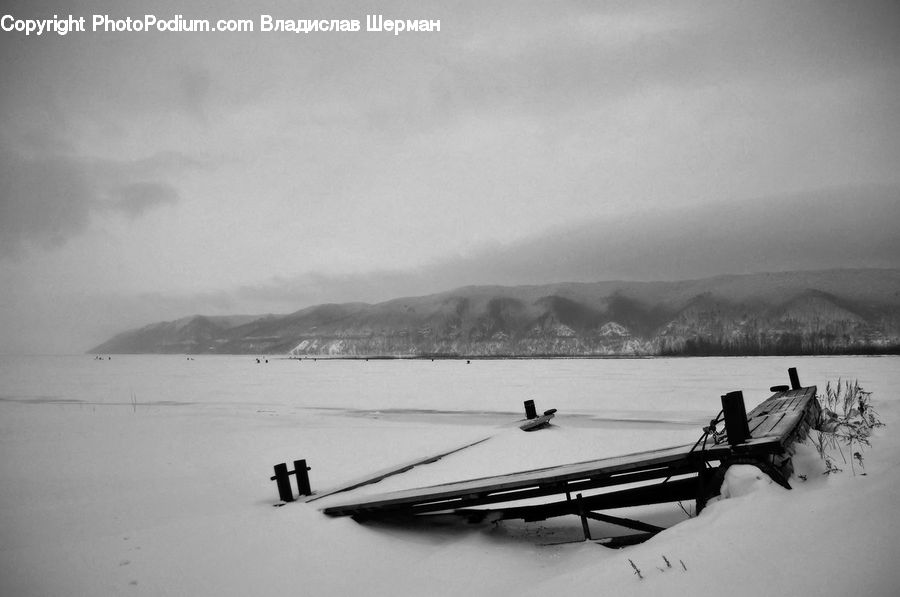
{"points": [[778, 416], [599, 470]]}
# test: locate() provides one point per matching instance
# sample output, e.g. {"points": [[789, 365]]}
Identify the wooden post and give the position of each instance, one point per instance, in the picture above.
{"points": [[283, 481], [735, 417], [795, 379], [300, 469], [530, 410], [706, 487], [584, 522]]}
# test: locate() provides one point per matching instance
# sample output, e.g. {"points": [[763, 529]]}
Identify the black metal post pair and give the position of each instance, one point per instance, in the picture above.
{"points": [[283, 480]]}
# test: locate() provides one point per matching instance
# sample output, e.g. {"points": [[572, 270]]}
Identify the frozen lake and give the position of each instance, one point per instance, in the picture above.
{"points": [[600, 387], [151, 473], [353, 411]]}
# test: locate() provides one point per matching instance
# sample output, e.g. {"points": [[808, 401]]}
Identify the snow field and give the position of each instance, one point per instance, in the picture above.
{"points": [[169, 494]]}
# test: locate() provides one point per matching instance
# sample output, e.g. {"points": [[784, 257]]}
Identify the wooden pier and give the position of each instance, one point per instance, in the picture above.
{"points": [[763, 437]]}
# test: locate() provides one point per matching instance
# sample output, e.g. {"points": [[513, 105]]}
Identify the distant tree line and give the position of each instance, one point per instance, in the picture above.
{"points": [[783, 345]]}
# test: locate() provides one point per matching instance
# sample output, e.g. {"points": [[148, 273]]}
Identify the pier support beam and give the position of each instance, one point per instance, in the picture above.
{"points": [[583, 514]]}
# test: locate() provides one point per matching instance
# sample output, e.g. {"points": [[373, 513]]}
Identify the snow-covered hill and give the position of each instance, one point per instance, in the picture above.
{"points": [[835, 311]]}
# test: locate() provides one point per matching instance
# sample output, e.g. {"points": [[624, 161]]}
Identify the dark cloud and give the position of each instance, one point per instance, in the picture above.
{"points": [[852, 227], [45, 200], [136, 198], [831, 228], [51, 178]]}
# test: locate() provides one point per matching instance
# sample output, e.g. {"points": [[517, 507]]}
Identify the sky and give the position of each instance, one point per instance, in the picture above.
{"points": [[148, 176]]}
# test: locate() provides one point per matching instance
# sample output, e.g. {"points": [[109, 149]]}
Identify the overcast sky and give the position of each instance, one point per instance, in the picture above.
{"points": [[150, 176]]}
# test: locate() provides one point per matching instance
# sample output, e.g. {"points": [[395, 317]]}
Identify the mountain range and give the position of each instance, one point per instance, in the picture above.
{"points": [[818, 312]]}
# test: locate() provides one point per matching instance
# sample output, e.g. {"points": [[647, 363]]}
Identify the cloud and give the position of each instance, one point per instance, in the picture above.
{"points": [[58, 321], [849, 227], [49, 189], [43, 202], [590, 55], [829, 228], [283, 294], [195, 87], [136, 198]]}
